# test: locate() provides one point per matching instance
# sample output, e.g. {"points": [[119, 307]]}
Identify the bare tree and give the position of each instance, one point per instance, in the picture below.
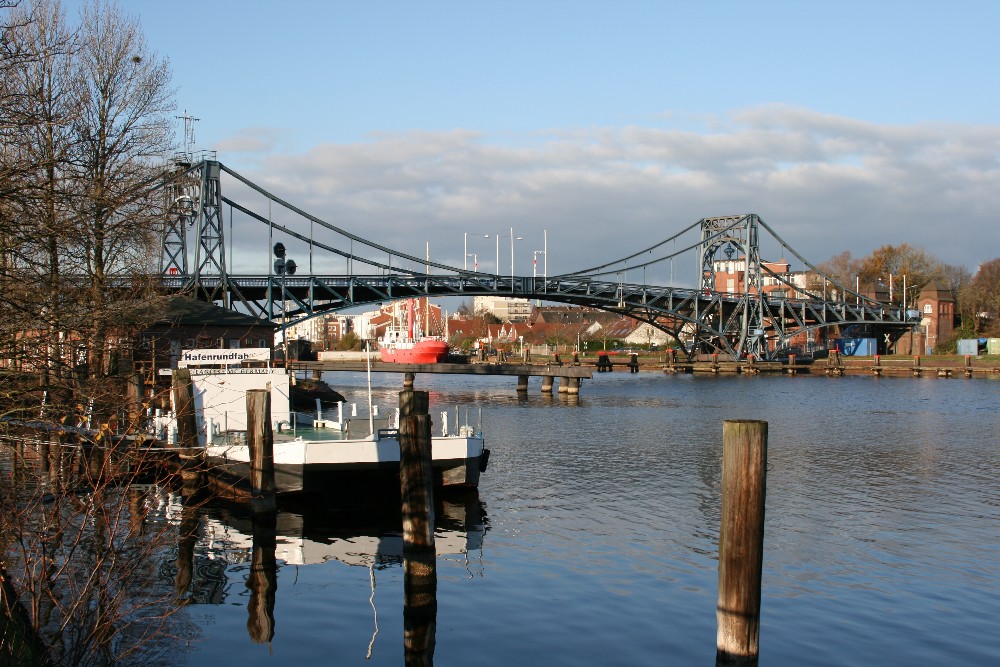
{"points": [[123, 133], [84, 129]]}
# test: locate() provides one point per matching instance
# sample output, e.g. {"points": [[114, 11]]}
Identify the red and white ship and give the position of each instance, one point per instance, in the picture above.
{"points": [[399, 345]]}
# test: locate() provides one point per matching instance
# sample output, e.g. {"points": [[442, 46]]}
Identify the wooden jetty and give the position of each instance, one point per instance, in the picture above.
{"points": [[568, 376]]}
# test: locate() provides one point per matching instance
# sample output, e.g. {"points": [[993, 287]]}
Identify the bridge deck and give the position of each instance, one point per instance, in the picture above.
{"points": [[548, 370]]}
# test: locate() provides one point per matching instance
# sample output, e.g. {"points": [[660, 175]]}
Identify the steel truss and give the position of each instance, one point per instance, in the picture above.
{"points": [[738, 325]]}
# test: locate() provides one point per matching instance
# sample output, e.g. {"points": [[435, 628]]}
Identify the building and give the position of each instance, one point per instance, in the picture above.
{"points": [[936, 305], [190, 324], [504, 308]]}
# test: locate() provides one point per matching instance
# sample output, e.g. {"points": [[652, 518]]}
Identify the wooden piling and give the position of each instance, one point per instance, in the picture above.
{"points": [[415, 473], [741, 541], [187, 428], [133, 400], [408, 379], [260, 440], [419, 552]]}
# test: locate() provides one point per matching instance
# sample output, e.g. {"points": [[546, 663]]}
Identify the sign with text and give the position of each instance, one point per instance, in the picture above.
{"points": [[226, 357]]}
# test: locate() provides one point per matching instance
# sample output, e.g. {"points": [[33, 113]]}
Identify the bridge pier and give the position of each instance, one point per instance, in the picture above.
{"points": [[522, 384], [572, 386], [562, 384], [547, 384]]}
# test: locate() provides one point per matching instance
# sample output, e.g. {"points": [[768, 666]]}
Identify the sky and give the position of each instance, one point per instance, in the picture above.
{"points": [[602, 126]]}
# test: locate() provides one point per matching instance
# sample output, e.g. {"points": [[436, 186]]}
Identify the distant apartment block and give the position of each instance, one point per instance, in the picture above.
{"points": [[506, 309]]}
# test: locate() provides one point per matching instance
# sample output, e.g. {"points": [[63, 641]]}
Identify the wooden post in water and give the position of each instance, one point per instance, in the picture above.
{"points": [[415, 474], [408, 379], [133, 401], [968, 366], [260, 440], [419, 552], [741, 540], [187, 428]]}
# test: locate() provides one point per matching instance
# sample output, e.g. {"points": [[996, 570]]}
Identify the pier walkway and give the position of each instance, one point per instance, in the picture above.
{"points": [[569, 376]]}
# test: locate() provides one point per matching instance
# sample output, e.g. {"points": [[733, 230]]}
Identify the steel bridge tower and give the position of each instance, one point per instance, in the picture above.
{"points": [[736, 237], [194, 201]]}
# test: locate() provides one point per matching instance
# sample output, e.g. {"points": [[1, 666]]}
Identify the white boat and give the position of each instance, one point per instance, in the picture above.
{"points": [[312, 453], [333, 459]]}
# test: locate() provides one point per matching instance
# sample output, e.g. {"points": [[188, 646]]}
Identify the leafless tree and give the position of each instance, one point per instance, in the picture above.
{"points": [[84, 128]]}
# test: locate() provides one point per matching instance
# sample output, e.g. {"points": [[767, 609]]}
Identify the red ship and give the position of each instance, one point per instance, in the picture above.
{"points": [[399, 345]]}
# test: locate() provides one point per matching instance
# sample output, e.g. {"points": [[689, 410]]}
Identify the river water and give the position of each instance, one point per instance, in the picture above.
{"points": [[593, 537]]}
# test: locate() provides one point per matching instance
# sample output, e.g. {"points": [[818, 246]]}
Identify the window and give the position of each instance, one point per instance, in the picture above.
{"points": [[929, 308]]}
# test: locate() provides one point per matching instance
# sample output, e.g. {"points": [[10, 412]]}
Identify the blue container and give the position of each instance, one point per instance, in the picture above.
{"points": [[858, 347]]}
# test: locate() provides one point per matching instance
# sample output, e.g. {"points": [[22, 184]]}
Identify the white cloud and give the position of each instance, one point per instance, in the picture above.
{"points": [[825, 183]]}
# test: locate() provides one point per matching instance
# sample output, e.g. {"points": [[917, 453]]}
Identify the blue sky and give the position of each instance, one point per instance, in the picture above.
{"points": [[845, 125]]}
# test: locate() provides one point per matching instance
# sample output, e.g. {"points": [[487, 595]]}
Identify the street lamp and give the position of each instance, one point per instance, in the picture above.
{"points": [[512, 239], [467, 254], [475, 261]]}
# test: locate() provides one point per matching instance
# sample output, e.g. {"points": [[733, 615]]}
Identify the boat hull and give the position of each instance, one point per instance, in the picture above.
{"points": [[332, 465], [421, 352]]}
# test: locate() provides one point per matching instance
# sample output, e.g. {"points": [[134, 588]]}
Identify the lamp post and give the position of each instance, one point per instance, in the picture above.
{"points": [[475, 261], [512, 239], [467, 253]]}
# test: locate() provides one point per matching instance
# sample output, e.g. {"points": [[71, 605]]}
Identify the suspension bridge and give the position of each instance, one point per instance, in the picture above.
{"points": [[757, 315]]}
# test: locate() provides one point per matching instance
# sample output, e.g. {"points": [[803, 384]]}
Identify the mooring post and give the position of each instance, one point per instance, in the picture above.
{"points": [[133, 401], [916, 365], [415, 473], [741, 541], [187, 428], [260, 440], [968, 366], [408, 381], [419, 553]]}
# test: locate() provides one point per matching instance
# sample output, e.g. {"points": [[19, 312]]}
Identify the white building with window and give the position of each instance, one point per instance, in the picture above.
{"points": [[505, 308]]}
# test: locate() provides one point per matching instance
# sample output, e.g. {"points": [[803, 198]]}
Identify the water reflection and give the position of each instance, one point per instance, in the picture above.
{"points": [[218, 541]]}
